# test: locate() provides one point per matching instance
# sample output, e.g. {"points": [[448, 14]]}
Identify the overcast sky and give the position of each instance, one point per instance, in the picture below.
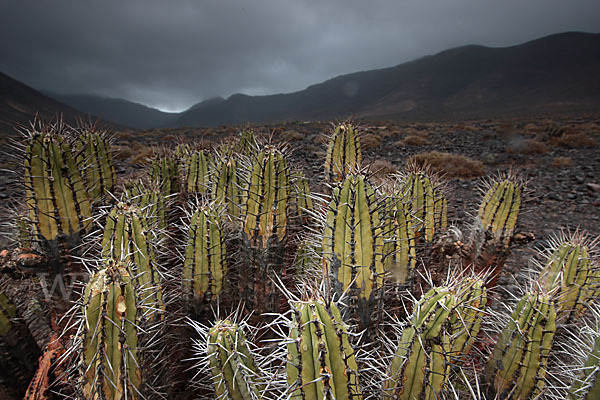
{"points": [[171, 54]]}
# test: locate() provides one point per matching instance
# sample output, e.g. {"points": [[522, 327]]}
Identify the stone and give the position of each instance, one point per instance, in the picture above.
{"points": [[593, 187]]}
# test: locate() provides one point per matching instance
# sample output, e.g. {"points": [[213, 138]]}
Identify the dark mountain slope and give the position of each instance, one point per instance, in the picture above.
{"points": [[119, 111], [19, 104], [556, 72]]}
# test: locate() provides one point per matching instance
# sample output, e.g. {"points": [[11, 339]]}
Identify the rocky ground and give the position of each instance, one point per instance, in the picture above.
{"points": [[559, 157]]}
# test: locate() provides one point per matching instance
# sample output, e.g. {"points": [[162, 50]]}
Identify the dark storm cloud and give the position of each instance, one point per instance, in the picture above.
{"points": [[171, 54]]}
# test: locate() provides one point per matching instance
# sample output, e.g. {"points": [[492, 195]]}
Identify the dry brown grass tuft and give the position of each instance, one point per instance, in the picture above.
{"points": [[380, 169], [122, 152], [323, 139], [290, 136], [529, 147], [124, 136], [370, 141], [451, 165], [169, 138], [574, 140], [412, 140], [143, 153], [562, 161]]}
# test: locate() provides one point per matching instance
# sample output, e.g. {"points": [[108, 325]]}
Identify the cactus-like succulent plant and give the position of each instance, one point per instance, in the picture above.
{"points": [[426, 202], [304, 202], [399, 247], [586, 382], [196, 167], [95, 157], [150, 203], [517, 366], [183, 151], [232, 365], [248, 144], [266, 200], [205, 263], [111, 367], [353, 245], [57, 200], [321, 363], [267, 197], [420, 368], [125, 240], [24, 230], [164, 172], [343, 153], [467, 317], [572, 276], [110, 364], [499, 210], [225, 187]]}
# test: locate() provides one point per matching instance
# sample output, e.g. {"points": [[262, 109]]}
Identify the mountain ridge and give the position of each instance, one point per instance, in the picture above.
{"points": [[469, 79], [559, 72], [20, 103]]}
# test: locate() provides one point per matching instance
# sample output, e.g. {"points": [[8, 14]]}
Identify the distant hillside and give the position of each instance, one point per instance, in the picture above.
{"points": [[556, 73], [119, 111], [19, 104]]}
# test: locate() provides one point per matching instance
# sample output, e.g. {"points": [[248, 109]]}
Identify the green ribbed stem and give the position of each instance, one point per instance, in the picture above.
{"points": [[467, 317], [586, 386], [57, 199], [165, 173], [225, 189], [232, 364], [343, 153], [205, 263], [499, 210], [320, 363], [125, 241], [573, 278], [400, 246], [110, 364], [421, 365], [426, 202], [353, 245], [267, 198], [197, 175], [98, 173], [517, 367]]}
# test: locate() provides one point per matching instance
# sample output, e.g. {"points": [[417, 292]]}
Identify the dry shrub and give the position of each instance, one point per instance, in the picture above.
{"points": [[125, 136], [290, 136], [463, 127], [122, 152], [382, 168], [451, 165], [532, 128], [562, 161], [143, 154], [370, 141], [529, 147], [574, 140], [413, 140], [323, 139], [384, 132], [169, 138]]}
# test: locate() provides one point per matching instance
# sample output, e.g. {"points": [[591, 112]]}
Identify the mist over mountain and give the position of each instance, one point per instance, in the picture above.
{"points": [[119, 111]]}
